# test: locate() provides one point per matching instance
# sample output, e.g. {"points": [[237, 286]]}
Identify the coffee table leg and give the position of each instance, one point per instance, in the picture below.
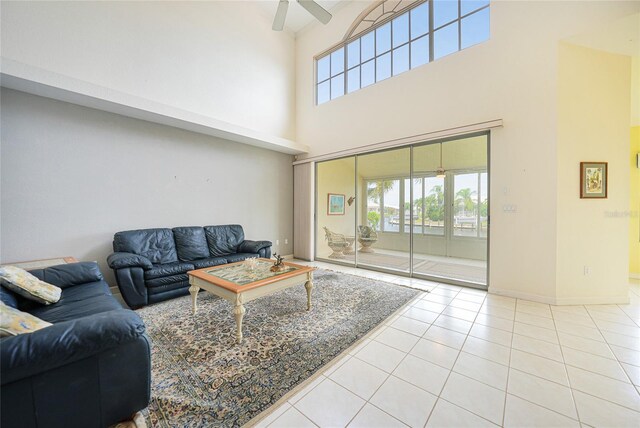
{"points": [[309, 286], [238, 312], [193, 290]]}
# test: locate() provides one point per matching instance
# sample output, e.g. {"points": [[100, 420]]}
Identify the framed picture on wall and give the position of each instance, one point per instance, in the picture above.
{"points": [[593, 180], [335, 204]]}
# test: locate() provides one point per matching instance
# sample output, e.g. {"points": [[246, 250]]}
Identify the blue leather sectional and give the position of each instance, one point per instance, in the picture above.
{"points": [[91, 368], [151, 265]]}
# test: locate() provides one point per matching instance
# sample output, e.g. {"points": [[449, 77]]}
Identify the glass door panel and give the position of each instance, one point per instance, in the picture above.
{"points": [[336, 210], [384, 218], [451, 193]]}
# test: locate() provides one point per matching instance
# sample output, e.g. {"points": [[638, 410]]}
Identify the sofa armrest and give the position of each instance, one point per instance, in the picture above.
{"points": [[66, 342], [253, 246], [125, 260]]}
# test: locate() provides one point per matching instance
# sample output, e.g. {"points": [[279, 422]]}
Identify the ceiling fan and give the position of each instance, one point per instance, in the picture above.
{"points": [[311, 6]]}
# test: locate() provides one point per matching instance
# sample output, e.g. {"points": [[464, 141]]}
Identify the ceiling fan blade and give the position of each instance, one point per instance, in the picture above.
{"points": [[316, 10], [281, 14]]}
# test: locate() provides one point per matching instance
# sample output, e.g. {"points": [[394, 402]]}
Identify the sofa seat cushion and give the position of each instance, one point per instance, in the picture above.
{"points": [[211, 261], [161, 289], [77, 302], [168, 269], [238, 257], [191, 243], [165, 280]]}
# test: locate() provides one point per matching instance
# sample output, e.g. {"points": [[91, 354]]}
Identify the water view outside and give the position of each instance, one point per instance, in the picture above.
{"points": [[470, 205]]}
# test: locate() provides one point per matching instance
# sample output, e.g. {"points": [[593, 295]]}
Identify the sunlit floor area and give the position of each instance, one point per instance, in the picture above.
{"points": [[474, 271], [457, 357]]}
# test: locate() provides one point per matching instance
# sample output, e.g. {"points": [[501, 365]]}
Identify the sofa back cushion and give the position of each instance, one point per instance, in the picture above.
{"points": [[69, 274], [155, 244], [191, 243], [224, 239]]}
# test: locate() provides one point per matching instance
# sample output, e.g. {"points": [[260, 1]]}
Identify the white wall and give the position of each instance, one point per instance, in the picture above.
{"points": [[593, 125], [513, 77], [72, 177], [219, 58]]}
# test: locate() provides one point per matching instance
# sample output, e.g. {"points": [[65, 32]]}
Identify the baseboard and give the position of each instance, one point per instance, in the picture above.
{"points": [[634, 275], [288, 257], [562, 301]]}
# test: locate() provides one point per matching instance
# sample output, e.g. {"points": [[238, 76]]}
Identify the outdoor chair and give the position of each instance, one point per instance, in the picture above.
{"points": [[337, 242], [367, 236]]}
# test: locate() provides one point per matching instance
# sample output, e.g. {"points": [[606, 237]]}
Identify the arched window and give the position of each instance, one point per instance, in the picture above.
{"points": [[394, 36]]}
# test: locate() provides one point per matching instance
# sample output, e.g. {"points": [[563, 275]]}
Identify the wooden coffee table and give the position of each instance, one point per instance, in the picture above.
{"points": [[239, 284]]}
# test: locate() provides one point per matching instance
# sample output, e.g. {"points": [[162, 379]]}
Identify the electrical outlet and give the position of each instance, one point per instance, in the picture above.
{"points": [[286, 241], [277, 242], [509, 208], [587, 270]]}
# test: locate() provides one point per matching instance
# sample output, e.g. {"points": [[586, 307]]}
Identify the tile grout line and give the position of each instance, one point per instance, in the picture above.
{"points": [[506, 387], [444, 385], [564, 363], [614, 354]]}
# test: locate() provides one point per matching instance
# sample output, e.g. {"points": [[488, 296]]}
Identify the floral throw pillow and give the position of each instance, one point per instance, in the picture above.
{"points": [[14, 322], [28, 286]]}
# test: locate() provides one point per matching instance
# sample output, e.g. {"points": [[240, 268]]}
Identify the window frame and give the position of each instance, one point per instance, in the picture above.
{"points": [[374, 60]]}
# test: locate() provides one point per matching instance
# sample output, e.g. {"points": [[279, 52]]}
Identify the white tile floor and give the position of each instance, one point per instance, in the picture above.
{"points": [[457, 357]]}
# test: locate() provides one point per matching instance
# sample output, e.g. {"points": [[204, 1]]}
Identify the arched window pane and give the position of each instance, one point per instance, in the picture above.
{"points": [[467, 6], [383, 67], [383, 38], [353, 79], [420, 20], [324, 92], [337, 62], [353, 53], [337, 86], [444, 11], [400, 60], [475, 28], [445, 41], [400, 30], [368, 73], [420, 52], [323, 68], [368, 46]]}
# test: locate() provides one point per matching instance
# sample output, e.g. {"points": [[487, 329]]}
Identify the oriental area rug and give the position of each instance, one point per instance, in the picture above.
{"points": [[201, 377]]}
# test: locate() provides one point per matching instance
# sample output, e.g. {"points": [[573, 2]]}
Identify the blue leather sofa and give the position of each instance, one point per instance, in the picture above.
{"points": [[151, 265], [91, 368]]}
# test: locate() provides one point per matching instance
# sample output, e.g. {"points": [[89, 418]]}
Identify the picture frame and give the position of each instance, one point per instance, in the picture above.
{"points": [[335, 204], [594, 180]]}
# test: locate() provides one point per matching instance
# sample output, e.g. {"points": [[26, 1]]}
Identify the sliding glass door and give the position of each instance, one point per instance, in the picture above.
{"points": [[452, 245], [420, 211], [336, 210], [384, 219]]}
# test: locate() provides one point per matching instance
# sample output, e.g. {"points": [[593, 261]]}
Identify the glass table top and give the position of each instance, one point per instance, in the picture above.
{"points": [[243, 274]]}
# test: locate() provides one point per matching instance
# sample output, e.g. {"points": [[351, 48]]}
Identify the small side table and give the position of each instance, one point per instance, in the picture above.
{"points": [[44, 263]]}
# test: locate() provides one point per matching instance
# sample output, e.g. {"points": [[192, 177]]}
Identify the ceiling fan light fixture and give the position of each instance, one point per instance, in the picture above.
{"points": [[440, 172]]}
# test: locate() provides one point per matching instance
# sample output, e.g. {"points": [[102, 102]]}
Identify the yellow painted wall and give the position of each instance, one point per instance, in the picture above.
{"points": [[336, 176], [634, 226], [594, 89]]}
